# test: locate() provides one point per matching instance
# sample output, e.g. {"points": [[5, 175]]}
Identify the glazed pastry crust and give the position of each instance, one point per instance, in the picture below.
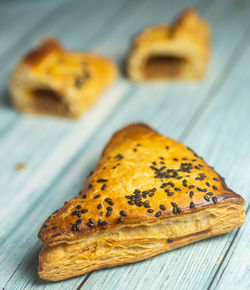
{"points": [[53, 81], [171, 52], [139, 171]]}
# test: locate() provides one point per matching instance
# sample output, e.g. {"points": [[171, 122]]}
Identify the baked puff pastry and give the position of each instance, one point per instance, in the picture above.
{"points": [[147, 195], [51, 80], [171, 52]]}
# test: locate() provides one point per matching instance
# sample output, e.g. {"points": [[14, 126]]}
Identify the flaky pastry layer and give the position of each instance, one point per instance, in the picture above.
{"points": [[136, 242], [171, 52]]}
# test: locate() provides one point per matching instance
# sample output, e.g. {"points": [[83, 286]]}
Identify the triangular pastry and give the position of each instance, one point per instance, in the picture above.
{"points": [[51, 80], [171, 52], [147, 195]]}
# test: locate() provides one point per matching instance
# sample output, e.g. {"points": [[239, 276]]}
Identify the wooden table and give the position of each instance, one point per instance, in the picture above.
{"points": [[212, 117]]}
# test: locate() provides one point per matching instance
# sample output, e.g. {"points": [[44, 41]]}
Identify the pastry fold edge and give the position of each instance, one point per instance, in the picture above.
{"points": [[137, 241]]}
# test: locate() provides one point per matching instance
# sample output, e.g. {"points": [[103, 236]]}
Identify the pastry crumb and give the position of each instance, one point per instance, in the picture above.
{"points": [[219, 260], [20, 166]]}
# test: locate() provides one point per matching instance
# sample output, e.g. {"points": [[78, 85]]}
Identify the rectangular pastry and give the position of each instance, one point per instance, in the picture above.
{"points": [[51, 80], [171, 52], [147, 195]]}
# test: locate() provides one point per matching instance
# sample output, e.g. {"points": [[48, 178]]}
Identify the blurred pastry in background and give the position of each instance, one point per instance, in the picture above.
{"points": [[171, 52], [53, 81]]}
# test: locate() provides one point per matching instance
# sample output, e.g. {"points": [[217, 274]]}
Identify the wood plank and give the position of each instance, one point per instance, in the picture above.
{"points": [[17, 18]]}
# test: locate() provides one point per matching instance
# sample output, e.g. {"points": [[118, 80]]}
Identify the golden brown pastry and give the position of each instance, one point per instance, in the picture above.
{"points": [[179, 51], [51, 80], [147, 195]]}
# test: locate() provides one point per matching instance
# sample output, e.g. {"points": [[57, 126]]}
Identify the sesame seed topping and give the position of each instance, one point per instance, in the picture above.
{"points": [[54, 228], [123, 213], [169, 240], [206, 198], [162, 207], [191, 204], [99, 206], [158, 214], [214, 198], [191, 193], [96, 196], [104, 187], [214, 187]]}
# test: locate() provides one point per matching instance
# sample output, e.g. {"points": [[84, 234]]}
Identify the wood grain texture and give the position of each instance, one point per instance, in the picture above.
{"points": [[59, 154]]}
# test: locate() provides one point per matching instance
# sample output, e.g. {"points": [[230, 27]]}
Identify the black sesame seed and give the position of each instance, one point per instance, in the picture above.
{"points": [[175, 210], [164, 185], [54, 228], [206, 198], [84, 196], [174, 204], [169, 240], [130, 202], [118, 157], [159, 213], [104, 223], [78, 206], [104, 186], [150, 210], [79, 221], [109, 212], [177, 189], [178, 210], [208, 184], [73, 228], [214, 187], [162, 207], [120, 219], [101, 213], [191, 204], [100, 221], [135, 150], [184, 182], [99, 206], [175, 159], [90, 186], [84, 210], [102, 180], [191, 186], [167, 147], [191, 193], [90, 225], [96, 196], [214, 198], [123, 213], [216, 179], [91, 221], [45, 226], [210, 193], [170, 193]]}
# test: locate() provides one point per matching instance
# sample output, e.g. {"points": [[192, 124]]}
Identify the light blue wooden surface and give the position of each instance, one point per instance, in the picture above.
{"points": [[212, 117]]}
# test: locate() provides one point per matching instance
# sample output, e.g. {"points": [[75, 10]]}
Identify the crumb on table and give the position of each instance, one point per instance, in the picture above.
{"points": [[20, 166]]}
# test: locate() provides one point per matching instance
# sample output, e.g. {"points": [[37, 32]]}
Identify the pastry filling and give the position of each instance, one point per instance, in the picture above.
{"points": [[48, 101], [163, 66]]}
